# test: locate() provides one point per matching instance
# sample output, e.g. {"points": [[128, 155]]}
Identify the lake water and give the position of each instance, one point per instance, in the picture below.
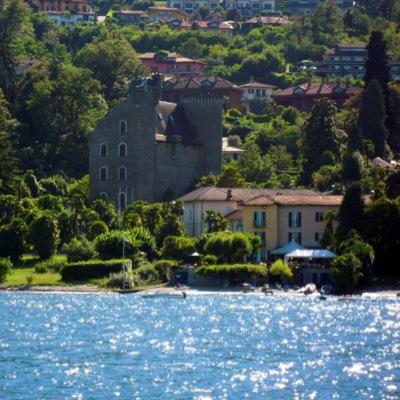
{"points": [[106, 346]]}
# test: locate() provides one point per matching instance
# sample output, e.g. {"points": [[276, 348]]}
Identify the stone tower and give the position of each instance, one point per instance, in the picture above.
{"points": [[205, 116], [144, 147]]}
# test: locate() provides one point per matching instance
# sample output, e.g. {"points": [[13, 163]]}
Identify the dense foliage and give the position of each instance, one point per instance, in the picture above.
{"points": [[82, 71]]}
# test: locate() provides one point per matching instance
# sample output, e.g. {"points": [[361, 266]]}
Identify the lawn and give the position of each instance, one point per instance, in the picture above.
{"points": [[26, 268], [19, 277]]}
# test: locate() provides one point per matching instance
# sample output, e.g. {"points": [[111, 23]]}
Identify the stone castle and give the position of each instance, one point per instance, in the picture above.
{"points": [[144, 148]]}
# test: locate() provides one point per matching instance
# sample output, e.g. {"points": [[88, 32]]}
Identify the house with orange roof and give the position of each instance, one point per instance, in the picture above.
{"points": [[171, 63], [277, 216], [177, 87], [65, 12]]}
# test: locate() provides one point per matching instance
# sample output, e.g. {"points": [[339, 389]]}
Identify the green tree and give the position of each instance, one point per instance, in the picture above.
{"points": [[113, 62], [231, 176], [65, 109], [13, 16], [44, 235], [381, 230], [328, 237], [372, 118], [12, 239], [377, 65], [320, 134], [351, 215], [352, 167], [346, 271], [215, 221], [178, 248], [8, 160], [191, 48]]}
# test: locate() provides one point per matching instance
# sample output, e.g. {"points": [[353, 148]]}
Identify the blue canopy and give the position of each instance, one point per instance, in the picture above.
{"points": [[291, 246], [310, 253]]}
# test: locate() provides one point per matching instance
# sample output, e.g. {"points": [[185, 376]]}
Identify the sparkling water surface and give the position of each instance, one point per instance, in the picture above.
{"points": [[109, 346]]}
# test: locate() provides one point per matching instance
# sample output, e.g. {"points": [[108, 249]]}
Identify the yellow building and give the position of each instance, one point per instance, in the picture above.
{"points": [[277, 216]]}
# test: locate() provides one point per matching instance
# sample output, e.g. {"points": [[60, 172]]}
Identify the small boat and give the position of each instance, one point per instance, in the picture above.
{"points": [[164, 295], [322, 297]]}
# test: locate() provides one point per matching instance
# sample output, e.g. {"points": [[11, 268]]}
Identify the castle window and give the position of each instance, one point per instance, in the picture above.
{"points": [[103, 150], [103, 173], [121, 173], [122, 126], [122, 150], [103, 195], [122, 201]]}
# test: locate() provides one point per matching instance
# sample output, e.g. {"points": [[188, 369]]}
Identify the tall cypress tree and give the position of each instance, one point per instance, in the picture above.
{"points": [[377, 65], [8, 161], [320, 135], [372, 118], [351, 213]]}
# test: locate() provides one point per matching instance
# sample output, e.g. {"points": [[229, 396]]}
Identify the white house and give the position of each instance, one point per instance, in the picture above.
{"points": [[256, 90]]}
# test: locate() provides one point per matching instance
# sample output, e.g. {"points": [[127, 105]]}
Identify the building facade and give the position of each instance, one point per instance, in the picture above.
{"points": [[349, 60], [247, 7], [65, 12], [145, 147], [298, 6], [171, 63], [276, 216], [304, 96], [257, 91]]}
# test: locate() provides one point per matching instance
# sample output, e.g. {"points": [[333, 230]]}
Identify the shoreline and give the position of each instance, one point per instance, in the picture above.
{"points": [[370, 292]]}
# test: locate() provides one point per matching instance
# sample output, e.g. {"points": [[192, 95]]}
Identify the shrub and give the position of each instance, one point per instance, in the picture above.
{"points": [[122, 280], [41, 268], [29, 280], [93, 269], [346, 271], [44, 235], [281, 269], [55, 264], [241, 272], [229, 246], [80, 250], [210, 259], [164, 268], [178, 247], [145, 240], [5, 268], [109, 245], [147, 274], [96, 228]]}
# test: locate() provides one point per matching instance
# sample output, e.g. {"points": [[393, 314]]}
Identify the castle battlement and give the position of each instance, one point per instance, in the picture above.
{"points": [[202, 99]]}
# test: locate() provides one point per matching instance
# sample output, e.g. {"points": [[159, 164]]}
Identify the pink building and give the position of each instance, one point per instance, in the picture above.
{"points": [[171, 63]]}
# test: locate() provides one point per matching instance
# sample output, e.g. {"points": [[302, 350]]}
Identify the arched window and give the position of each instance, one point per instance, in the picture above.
{"points": [[103, 150], [103, 195], [122, 150], [122, 126], [121, 173], [103, 173], [122, 201]]}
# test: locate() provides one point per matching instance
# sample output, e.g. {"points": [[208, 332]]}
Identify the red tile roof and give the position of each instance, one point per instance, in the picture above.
{"points": [[296, 200], [211, 193], [257, 85], [315, 89], [197, 82]]}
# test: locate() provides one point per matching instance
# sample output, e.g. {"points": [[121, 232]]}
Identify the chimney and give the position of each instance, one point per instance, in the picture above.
{"points": [[229, 194]]}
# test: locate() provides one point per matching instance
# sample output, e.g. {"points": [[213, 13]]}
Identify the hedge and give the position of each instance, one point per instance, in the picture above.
{"points": [[234, 270], [93, 269]]}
